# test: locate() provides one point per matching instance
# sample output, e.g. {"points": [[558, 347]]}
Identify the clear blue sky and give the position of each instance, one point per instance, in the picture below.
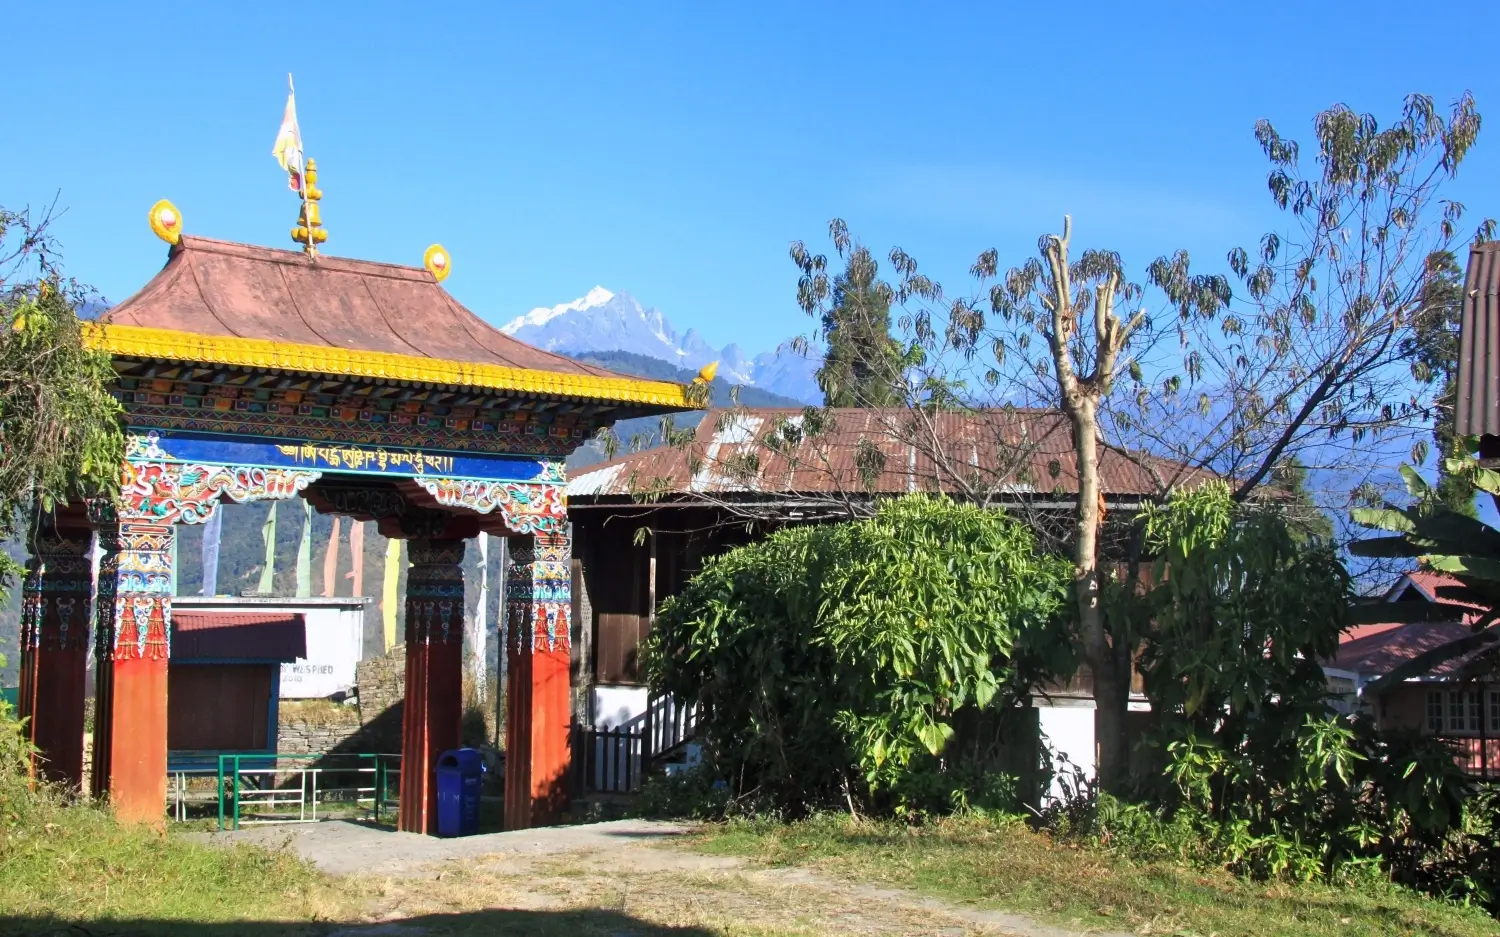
{"points": [[675, 150]]}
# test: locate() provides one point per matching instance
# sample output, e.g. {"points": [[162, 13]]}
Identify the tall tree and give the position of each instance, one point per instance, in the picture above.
{"points": [[1432, 348], [1300, 368], [862, 363], [60, 435]]}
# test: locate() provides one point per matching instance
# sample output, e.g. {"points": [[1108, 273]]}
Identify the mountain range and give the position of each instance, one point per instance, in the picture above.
{"points": [[604, 321]]}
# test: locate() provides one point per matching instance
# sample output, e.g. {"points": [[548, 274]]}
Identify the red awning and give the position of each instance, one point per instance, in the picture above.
{"points": [[263, 636]]}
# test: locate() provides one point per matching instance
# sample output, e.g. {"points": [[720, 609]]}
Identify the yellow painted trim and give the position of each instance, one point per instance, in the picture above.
{"points": [[171, 345]]}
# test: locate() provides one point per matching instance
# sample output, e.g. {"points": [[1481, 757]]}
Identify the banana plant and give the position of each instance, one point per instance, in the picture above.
{"points": [[1442, 540]]}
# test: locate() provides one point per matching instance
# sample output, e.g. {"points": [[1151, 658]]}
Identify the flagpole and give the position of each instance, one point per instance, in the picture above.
{"points": [[312, 249]]}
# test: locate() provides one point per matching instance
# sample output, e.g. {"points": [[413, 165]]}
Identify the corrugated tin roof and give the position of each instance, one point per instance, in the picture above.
{"points": [[1379, 653], [1376, 648], [770, 450], [1477, 412], [278, 636]]}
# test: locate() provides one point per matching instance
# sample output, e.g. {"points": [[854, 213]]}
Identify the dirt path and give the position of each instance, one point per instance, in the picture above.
{"points": [[612, 879]]}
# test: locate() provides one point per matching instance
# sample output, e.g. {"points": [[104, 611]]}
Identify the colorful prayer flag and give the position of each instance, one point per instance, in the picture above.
{"points": [[389, 589], [357, 557], [331, 562], [213, 532], [304, 554], [479, 639], [268, 571], [288, 146]]}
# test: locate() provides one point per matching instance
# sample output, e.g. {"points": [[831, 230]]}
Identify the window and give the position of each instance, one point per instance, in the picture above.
{"points": [[1476, 711], [1457, 718], [1435, 711], [1495, 710]]}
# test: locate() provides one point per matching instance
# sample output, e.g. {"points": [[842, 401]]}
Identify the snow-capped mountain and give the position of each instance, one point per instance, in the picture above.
{"points": [[605, 321]]}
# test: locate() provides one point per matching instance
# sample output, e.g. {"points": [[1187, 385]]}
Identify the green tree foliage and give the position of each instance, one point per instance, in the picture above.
{"points": [[839, 661], [60, 435], [1259, 773], [1288, 489], [1432, 348], [862, 363], [1297, 354], [1244, 611]]}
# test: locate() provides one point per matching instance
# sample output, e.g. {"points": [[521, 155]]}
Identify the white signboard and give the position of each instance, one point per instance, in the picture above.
{"points": [[335, 640]]}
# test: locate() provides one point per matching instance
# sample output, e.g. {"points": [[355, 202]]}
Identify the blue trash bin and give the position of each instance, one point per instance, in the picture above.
{"points": [[460, 774]]}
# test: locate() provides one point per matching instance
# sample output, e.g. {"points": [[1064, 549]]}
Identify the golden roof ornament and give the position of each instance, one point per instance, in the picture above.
{"points": [[309, 231], [437, 262], [166, 221]]}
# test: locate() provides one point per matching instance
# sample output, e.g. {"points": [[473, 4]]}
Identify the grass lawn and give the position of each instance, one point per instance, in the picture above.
{"points": [[75, 864], [1005, 866]]}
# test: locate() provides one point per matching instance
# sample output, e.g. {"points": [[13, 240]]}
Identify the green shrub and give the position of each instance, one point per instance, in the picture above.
{"points": [[837, 663], [694, 794]]}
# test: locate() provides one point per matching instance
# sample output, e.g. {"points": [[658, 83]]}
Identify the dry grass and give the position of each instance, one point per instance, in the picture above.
{"points": [[319, 712]]}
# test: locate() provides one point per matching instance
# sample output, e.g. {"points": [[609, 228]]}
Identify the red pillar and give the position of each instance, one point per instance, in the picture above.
{"points": [[136, 583], [54, 650], [434, 675], [538, 612]]}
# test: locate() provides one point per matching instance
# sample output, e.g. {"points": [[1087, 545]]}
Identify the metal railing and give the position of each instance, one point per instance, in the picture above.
{"points": [[607, 760], [614, 759], [262, 788], [670, 723]]}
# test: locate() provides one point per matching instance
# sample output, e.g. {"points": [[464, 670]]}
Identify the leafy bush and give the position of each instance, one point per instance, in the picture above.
{"points": [[1260, 774], [695, 794], [837, 663]]}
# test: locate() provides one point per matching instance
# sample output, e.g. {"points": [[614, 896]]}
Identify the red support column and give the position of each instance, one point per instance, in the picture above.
{"points": [[54, 651], [434, 675], [538, 609], [136, 583]]}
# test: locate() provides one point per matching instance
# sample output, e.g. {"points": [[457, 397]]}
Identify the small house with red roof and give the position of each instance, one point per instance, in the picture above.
{"points": [[1457, 699]]}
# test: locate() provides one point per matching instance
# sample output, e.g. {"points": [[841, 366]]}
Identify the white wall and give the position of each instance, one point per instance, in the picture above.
{"points": [[613, 706], [1068, 729], [335, 639]]}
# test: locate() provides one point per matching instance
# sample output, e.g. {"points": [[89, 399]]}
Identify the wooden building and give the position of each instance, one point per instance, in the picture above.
{"points": [[1457, 698], [643, 523], [224, 679]]}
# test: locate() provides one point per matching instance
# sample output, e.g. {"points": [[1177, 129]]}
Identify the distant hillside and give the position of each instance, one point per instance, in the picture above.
{"points": [[645, 432]]}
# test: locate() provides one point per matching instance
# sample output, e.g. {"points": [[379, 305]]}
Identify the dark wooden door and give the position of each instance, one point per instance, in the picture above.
{"points": [[218, 707]]}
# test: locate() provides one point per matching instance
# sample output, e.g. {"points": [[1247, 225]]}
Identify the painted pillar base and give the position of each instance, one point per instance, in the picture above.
{"points": [[54, 652], [538, 704], [434, 675], [130, 723]]}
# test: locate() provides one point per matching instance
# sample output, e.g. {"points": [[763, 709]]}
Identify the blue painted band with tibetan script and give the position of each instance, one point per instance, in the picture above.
{"points": [[142, 445]]}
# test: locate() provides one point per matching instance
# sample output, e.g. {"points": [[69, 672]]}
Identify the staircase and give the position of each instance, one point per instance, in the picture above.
{"points": [[615, 760]]}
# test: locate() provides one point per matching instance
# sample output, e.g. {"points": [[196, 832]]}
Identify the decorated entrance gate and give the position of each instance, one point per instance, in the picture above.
{"points": [[251, 374]]}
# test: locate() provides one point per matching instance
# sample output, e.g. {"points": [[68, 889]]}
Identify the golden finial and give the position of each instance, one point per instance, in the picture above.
{"points": [[706, 374], [166, 221], [309, 231], [437, 262]]}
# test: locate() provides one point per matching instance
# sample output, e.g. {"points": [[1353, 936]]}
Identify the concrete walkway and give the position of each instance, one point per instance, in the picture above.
{"points": [[343, 848]]}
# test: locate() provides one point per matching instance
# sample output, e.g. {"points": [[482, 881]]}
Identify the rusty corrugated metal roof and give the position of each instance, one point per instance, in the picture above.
{"points": [[1477, 412], [228, 636], [769, 450]]}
